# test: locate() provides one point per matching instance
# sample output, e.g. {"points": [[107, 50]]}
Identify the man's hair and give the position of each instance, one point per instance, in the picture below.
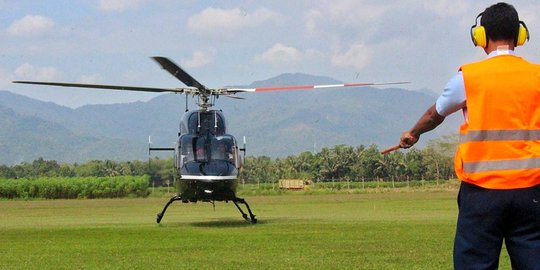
{"points": [[501, 22]]}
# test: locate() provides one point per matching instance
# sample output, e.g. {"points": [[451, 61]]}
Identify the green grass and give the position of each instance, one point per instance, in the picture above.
{"points": [[390, 230]]}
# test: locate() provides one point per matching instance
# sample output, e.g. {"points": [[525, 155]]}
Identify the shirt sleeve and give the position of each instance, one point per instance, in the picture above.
{"points": [[452, 98]]}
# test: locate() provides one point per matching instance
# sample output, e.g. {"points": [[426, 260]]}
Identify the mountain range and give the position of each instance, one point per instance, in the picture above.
{"points": [[276, 124]]}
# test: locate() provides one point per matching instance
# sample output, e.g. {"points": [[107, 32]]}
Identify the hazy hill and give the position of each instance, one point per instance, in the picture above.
{"points": [[129, 121], [275, 123], [25, 138]]}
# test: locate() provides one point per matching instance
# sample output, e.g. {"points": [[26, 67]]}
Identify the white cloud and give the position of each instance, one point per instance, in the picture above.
{"points": [[119, 5], [344, 20], [27, 71], [199, 59], [226, 22], [358, 56], [280, 54], [31, 25]]}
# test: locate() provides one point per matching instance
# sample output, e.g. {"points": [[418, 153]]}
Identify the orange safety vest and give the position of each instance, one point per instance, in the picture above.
{"points": [[499, 145]]}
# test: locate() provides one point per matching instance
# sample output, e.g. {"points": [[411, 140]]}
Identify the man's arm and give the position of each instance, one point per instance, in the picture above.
{"points": [[451, 100], [428, 121]]}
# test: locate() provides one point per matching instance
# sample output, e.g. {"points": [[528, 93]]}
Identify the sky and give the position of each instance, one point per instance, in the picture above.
{"points": [[223, 43]]}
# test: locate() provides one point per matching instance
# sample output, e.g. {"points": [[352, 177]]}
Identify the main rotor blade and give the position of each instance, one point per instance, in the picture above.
{"points": [[235, 97], [111, 87], [303, 87], [178, 72]]}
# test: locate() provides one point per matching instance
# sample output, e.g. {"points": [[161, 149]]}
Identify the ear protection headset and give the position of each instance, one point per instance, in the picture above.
{"points": [[479, 38]]}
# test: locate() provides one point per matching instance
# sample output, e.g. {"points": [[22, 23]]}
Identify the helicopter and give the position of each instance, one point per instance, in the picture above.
{"points": [[207, 159]]}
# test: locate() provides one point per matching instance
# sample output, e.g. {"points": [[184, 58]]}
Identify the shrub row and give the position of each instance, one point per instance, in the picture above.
{"points": [[75, 187]]}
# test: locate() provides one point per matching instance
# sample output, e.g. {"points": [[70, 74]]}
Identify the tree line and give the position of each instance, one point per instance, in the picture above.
{"points": [[158, 169], [347, 163], [338, 163]]}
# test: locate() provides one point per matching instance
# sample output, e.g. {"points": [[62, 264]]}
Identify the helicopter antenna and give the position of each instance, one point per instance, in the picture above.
{"points": [[149, 147], [244, 150], [187, 109], [198, 121], [215, 121]]}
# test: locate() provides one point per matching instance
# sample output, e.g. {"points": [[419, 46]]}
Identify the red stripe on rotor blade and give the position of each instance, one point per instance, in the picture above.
{"points": [[299, 87]]}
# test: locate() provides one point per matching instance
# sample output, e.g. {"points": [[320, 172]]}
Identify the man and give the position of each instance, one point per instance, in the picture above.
{"points": [[498, 157]]}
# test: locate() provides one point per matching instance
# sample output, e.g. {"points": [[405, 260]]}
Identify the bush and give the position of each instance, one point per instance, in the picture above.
{"points": [[77, 187]]}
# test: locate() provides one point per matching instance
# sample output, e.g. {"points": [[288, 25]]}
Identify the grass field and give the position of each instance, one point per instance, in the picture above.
{"points": [[390, 230]]}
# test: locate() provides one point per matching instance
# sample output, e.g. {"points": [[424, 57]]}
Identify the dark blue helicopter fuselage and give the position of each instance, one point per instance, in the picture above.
{"points": [[207, 158]]}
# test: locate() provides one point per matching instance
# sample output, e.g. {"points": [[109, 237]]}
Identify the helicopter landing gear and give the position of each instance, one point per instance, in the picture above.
{"points": [[251, 218], [160, 215], [236, 200]]}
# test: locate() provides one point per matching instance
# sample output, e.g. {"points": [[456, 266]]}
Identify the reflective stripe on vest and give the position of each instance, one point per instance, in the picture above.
{"points": [[499, 135], [512, 164]]}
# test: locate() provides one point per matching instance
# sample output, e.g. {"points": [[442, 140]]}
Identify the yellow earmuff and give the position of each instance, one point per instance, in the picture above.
{"points": [[479, 37], [523, 34], [478, 33]]}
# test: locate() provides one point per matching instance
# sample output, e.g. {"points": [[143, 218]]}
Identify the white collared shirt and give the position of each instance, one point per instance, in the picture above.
{"points": [[453, 97]]}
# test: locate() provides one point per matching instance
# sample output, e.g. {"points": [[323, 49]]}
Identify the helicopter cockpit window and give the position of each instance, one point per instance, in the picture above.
{"points": [[192, 149], [186, 150], [207, 149], [201, 149], [223, 148]]}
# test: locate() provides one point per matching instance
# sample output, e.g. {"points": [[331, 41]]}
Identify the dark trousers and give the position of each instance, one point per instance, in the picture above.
{"points": [[487, 217]]}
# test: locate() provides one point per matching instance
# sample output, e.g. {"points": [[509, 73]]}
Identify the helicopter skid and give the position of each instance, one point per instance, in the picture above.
{"points": [[251, 218], [160, 215], [236, 201]]}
